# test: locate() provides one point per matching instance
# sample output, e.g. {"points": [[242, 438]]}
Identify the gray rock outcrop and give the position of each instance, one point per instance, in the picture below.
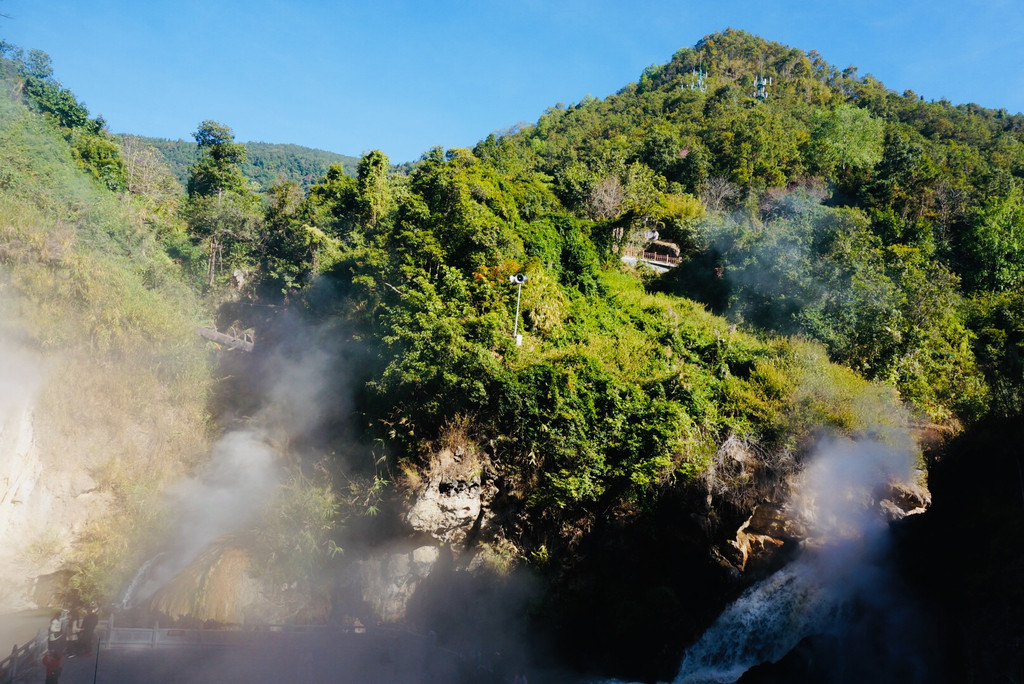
{"points": [[387, 582], [453, 501]]}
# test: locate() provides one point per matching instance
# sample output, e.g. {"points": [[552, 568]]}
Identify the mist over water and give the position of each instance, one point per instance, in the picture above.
{"points": [[841, 590], [237, 481], [245, 469]]}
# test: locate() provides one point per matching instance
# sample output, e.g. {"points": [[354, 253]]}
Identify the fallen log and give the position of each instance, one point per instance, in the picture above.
{"points": [[229, 341]]}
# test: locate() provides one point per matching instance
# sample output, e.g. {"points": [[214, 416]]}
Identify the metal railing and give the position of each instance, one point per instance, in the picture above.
{"points": [[653, 257], [157, 636], [27, 656], [22, 657]]}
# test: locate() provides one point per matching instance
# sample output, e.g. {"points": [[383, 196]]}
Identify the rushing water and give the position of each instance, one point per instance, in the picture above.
{"points": [[769, 619], [841, 588], [140, 575]]}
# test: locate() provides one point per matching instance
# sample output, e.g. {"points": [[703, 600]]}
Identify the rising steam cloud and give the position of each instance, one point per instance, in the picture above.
{"points": [[244, 469], [841, 587]]}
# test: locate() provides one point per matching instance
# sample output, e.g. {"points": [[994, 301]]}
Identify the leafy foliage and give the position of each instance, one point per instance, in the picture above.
{"points": [[265, 163], [834, 213], [222, 212], [93, 148], [615, 393], [918, 203], [888, 312]]}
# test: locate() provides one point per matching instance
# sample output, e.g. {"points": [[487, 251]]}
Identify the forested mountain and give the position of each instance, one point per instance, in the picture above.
{"points": [[851, 266], [266, 163], [879, 224]]}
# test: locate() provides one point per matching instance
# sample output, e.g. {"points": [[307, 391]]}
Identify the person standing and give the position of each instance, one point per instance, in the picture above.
{"points": [[56, 638], [52, 662], [89, 630], [74, 632]]}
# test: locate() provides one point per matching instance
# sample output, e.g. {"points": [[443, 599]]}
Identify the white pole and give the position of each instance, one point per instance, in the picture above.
{"points": [[519, 295], [520, 279]]}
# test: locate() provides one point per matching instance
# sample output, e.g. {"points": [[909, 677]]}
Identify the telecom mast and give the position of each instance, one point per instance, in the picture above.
{"points": [[761, 87], [697, 78]]}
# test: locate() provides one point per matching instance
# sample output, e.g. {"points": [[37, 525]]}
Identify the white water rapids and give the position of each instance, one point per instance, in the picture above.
{"points": [[841, 588], [841, 583]]}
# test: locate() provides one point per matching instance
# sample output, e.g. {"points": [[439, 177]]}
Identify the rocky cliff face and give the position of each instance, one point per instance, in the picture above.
{"points": [[387, 582], [46, 499], [772, 526], [450, 507]]}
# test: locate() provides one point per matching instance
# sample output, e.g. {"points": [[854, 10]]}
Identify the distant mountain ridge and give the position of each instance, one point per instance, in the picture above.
{"points": [[266, 162]]}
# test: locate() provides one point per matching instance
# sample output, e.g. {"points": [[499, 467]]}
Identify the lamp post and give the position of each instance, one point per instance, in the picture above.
{"points": [[519, 279]]}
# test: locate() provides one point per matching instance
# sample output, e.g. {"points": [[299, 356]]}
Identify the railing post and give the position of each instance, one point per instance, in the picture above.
{"points": [[96, 665], [14, 662], [156, 628]]}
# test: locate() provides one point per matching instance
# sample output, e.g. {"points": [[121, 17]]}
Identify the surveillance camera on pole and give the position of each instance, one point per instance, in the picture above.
{"points": [[518, 279]]}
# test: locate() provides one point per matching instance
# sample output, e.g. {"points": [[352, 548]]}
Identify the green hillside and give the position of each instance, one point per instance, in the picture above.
{"points": [[88, 286], [266, 163], [886, 227]]}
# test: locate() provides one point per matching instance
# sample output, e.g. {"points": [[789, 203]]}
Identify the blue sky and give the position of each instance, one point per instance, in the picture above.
{"points": [[403, 76]]}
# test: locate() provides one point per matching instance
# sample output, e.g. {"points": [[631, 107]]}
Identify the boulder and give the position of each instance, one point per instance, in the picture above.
{"points": [[452, 502]]}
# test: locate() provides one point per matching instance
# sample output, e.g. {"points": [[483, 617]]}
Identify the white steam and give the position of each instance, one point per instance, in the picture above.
{"points": [[239, 478], [243, 472], [839, 584], [837, 494]]}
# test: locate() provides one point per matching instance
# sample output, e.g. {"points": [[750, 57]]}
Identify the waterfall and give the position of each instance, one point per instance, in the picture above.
{"points": [[840, 587], [129, 593], [770, 618]]}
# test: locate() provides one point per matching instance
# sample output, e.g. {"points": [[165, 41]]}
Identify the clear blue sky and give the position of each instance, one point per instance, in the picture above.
{"points": [[404, 75]]}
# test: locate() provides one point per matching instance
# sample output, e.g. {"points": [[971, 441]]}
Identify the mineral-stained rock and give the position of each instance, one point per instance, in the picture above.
{"points": [[214, 587], [905, 499], [220, 586], [771, 527], [766, 531]]}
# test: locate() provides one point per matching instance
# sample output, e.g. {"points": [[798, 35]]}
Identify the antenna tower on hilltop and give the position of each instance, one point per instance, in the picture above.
{"points": [[697, 77], [761, 87]]}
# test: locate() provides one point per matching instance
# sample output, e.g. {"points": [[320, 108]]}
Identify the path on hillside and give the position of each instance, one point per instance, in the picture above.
{"points": [[339, 658]]}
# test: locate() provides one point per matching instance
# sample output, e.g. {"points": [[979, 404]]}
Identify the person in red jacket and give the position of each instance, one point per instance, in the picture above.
{"points": [[52, 663]]}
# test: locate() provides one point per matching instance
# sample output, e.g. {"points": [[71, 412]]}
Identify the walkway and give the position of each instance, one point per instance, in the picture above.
{"points": [[397, 658], [659, 262]]}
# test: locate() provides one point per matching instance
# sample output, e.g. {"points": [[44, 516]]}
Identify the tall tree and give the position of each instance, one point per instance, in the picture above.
{"points": [[220, 159], [374, 193], [288, 248], [846, 137], [222, 212]]}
